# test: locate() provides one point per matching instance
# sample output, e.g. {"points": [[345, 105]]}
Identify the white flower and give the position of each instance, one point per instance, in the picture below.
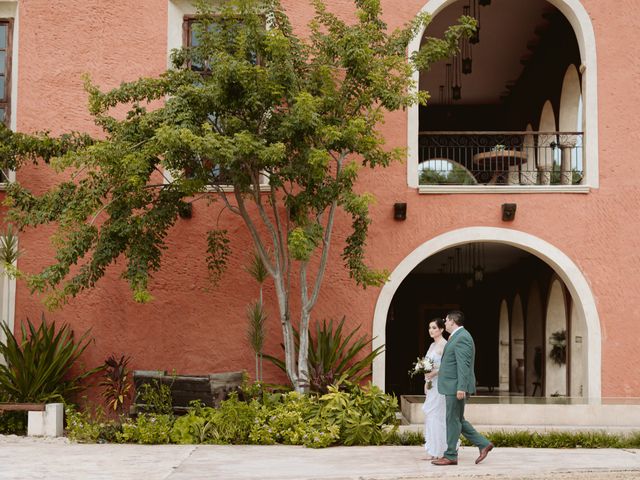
{"points": [[422, 365]]}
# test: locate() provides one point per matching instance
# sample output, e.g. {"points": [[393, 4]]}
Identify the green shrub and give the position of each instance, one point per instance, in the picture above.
{"points": [[197, 426], [233, 420], [282, 419], [37, 367], [148, 429], [91, 427], [13, 423], [363, 415], [593, 439], [156, 398], [405, 438]]}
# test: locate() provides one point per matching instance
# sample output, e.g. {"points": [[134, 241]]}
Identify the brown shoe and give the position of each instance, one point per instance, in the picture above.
{"points": [[484, 452], [444, 461]]}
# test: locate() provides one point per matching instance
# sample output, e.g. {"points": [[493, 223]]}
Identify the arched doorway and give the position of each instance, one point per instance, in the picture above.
{"points": [[583, 306], [577, 23]]}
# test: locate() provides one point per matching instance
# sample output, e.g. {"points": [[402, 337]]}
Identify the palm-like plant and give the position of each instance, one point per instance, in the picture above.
{"points": [[115, 381], [38, 367], [8, 247], [256, 313], [335, 357]]}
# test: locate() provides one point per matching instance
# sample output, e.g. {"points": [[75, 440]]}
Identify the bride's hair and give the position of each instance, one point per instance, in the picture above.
{"points": [[438, 321]]}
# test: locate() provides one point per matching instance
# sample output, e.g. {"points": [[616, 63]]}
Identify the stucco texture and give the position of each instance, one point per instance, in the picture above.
{"points": [[192, 327]]}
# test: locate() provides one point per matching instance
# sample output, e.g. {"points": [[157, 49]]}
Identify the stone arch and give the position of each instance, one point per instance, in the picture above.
{"points": [[564, 267], [580, 21], [577, 355], [555, 378], [570, 120], [534, 335], [517, 346], [503, 348], [546, 156], [570, 101]]}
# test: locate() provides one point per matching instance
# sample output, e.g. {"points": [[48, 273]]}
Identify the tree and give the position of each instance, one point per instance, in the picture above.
{"points": [[262, 101]]}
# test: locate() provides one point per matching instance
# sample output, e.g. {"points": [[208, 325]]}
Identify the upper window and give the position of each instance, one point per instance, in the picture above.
{"points": [[5, 70], [191, 38], [506, 119]]}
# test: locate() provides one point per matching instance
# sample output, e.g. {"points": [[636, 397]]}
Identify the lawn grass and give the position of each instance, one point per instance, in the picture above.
{"points": [[525, 439]]}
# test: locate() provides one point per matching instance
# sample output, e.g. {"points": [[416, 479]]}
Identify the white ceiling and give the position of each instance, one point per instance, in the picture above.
{"points": [[506, 27]]}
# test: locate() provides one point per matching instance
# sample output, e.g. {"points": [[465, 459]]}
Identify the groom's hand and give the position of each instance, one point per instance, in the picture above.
{"points": [[460, 395]]}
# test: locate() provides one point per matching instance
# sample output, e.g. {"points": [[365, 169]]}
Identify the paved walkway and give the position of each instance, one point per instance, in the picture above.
{"points": [[27, 459]]}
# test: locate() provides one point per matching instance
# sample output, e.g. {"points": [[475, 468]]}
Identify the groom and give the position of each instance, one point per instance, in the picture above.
{"points": [[456, 379]]}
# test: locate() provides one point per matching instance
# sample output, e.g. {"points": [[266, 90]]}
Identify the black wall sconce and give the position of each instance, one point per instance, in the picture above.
{"points": [[508, 212], [399, 211]]}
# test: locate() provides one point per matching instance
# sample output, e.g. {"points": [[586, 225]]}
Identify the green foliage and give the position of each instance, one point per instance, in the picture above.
{"points": [[217, 253], [9, 252], [289, 419], [115, 381], [13, 423], [302, 111], [408, 438], [363, 415], [156, 398], [257, 317], [458, 175], [195, 427], [257, 269], [289, 115], [147, 429], [556, 175], [592, 439], [91, 426], [38, 367], [335, 356]]}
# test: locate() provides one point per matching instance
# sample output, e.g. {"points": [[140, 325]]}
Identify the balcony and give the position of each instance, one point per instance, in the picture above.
{"points": [[500, 161]]}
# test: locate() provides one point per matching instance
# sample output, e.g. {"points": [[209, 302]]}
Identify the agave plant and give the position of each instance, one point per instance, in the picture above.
{"points": [[37, 368], [335, 358]]}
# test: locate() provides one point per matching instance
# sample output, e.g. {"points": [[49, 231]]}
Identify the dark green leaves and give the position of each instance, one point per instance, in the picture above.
{"points": [[38, 367]]}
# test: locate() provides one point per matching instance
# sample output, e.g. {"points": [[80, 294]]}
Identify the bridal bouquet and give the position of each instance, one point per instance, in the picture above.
{"points": [[422, 366]]}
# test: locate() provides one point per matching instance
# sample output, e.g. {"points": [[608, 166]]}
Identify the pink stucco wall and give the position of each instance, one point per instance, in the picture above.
{"points": [[191, 327]]}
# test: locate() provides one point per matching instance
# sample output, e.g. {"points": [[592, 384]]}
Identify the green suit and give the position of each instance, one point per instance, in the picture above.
{"points": [[457, 374]]}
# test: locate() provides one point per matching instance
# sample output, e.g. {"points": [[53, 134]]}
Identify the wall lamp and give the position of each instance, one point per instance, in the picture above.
{"points": [[508, 212], [399, 211]]}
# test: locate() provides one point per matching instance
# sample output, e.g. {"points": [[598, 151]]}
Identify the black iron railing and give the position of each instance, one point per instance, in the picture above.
{"points": [[500, 158]]}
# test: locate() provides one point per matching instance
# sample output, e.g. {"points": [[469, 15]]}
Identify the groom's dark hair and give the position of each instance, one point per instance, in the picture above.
{"points": [[457, 316]]}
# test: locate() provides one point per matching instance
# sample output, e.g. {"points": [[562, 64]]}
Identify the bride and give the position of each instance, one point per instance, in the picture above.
{"points": [[435, 429]]}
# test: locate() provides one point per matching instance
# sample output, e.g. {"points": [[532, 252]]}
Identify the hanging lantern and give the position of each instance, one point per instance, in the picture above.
{"points": [[484, 3], [456, 92], [465, 48], [475, 38], [466, 65]]}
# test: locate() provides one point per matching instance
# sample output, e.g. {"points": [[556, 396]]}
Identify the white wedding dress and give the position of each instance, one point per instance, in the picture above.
{"points": [[434, 408]]}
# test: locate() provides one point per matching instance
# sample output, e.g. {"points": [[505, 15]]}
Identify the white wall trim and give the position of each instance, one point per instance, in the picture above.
{"points": [[8, 307], [579, 19], [444, 189], [565, 268], [10, 10]]}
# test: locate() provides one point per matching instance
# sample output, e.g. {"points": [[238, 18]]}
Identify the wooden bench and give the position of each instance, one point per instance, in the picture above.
{"points": [[43, 419], [210, 389], [22, 407]]}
